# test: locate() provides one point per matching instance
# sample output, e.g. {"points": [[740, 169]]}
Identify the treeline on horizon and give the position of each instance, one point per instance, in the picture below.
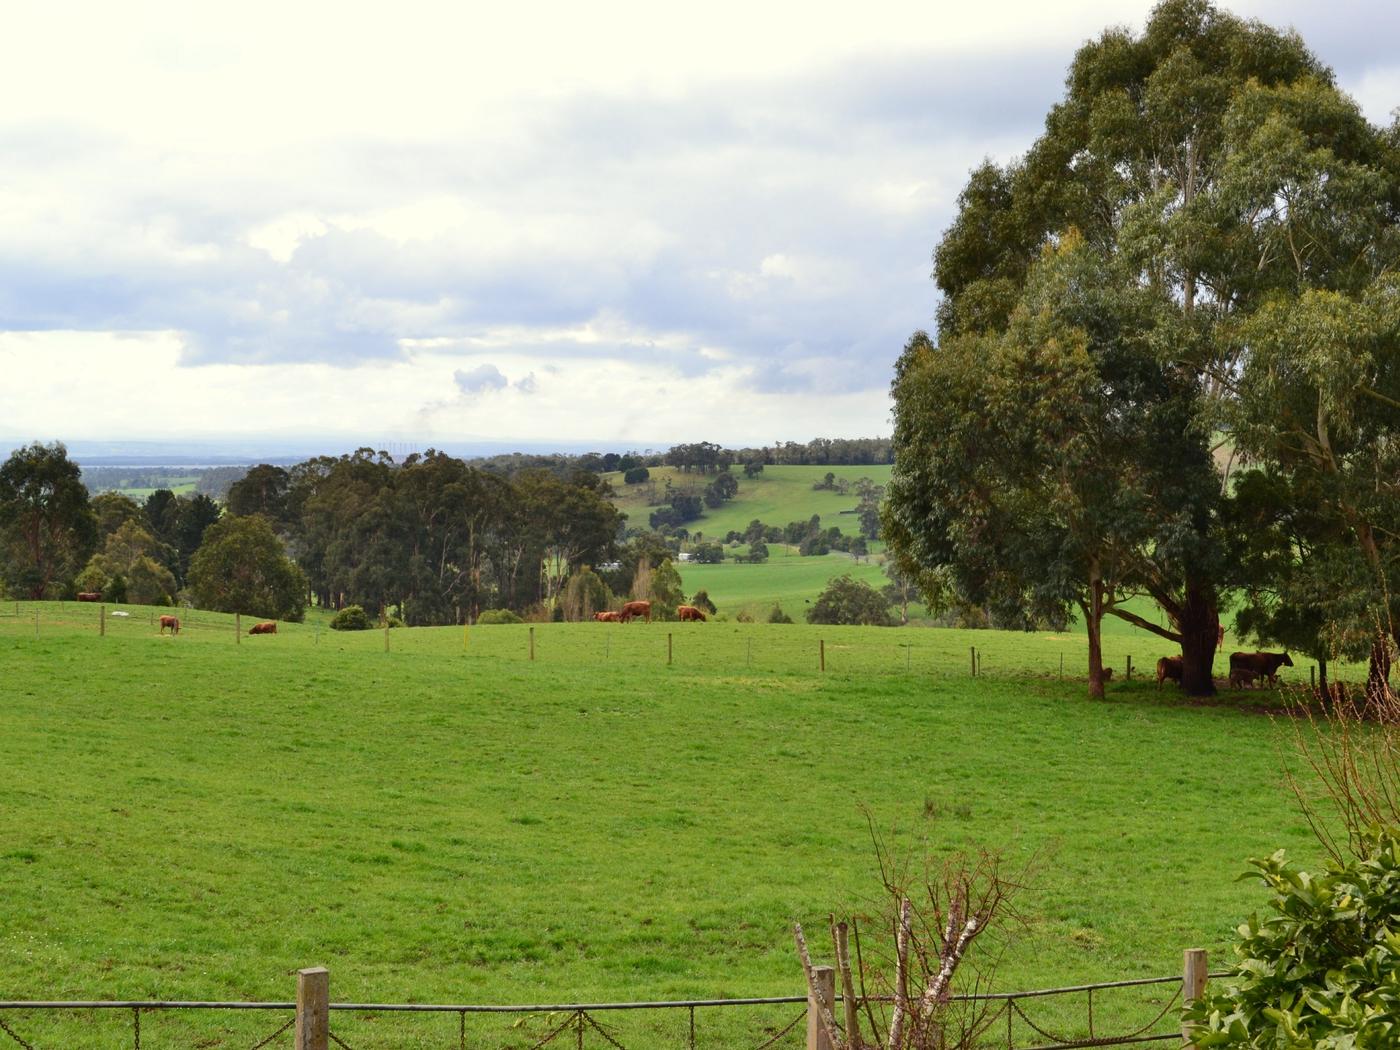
{"points": [[704, 456], [434, 538]]}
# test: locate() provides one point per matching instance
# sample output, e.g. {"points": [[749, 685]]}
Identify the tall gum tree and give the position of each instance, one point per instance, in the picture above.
{"points": [[1135, 162]]}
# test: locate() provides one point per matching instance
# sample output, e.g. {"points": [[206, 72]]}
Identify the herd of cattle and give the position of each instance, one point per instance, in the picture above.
{"points": [[632, 610], [1245, 668]]}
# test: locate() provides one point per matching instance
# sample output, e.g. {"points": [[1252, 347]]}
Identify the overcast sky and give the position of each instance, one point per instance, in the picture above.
{"points": [[622, 224]]}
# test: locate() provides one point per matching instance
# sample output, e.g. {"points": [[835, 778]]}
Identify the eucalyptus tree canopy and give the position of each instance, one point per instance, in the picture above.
{"points": [[1121, 299], [47, 527]]}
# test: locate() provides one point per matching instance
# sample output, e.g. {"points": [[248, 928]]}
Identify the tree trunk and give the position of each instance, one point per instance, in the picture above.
{"points": [[1093, 625], [1322, 690], [1200, 630], [1378, 675]]}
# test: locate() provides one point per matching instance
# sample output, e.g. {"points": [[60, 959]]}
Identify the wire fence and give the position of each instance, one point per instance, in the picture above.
{"points": [[729, 648], [1009, 1021]]}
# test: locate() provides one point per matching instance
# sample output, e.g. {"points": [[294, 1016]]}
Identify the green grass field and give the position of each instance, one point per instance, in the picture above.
{"points": [[786, 577], [190, 818], [777, 496]]}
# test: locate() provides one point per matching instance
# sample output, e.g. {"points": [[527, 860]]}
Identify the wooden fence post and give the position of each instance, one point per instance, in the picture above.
{"points": [[822, 653], [532, 643], [1129, 675], [238, 628], [972, 656], [1062, 665], [313, 1023], [386, 632], [1193, 985], [102, 621], [668, 649], [36, 620], [824, 983]]}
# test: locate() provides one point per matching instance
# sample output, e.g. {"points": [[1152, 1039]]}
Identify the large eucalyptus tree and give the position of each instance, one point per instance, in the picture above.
{"points": [[1155, 251]]}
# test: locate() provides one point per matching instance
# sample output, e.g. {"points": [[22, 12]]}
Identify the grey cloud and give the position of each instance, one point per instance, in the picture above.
{"points": [[528, 385], [706, 185], [479, 379]]}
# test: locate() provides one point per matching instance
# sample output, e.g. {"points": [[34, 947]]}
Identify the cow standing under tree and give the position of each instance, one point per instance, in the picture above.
{"points": [[1261, 665], [1168, 667]]}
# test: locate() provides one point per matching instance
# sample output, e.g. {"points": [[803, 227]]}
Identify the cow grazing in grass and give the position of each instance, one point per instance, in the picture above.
{"points": [[173, 622], [690, 612], [266, 627], [1263, 665], [89, 596], [1169, 667], [608, 617], [631, 610]]}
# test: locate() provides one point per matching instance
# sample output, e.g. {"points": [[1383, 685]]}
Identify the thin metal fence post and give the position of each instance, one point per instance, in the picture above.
{"points": [[822, 651], [669, 651], [237, 628], [972, 658], [102, 621]]}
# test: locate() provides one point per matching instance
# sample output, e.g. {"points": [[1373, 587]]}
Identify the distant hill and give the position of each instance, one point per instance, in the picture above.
{"points": [[777, 496]]}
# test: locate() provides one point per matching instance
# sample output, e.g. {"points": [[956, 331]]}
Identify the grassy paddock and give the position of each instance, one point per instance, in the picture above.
{"points": [[190, 818]]}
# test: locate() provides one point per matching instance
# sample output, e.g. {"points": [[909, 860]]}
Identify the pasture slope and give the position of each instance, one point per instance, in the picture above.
{"points": [[447, 822], [779, 495]]}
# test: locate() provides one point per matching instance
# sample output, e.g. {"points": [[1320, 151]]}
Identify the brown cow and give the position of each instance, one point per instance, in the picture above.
{"points": [[690, 612], [89, 596], [631, 610], [173, 622], [1169, 667], [266, 627], [607, 617], [1240, 677], [1265, 665]]}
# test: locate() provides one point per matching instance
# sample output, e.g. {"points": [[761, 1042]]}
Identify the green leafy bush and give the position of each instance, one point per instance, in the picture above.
{"points": [[850, 601], [350, 618], [498, 616], [1321, 972], [776, 615], [636, 476]]}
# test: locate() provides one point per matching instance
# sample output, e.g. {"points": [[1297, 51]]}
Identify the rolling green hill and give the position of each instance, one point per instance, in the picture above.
{"points": [[777, 496]]}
